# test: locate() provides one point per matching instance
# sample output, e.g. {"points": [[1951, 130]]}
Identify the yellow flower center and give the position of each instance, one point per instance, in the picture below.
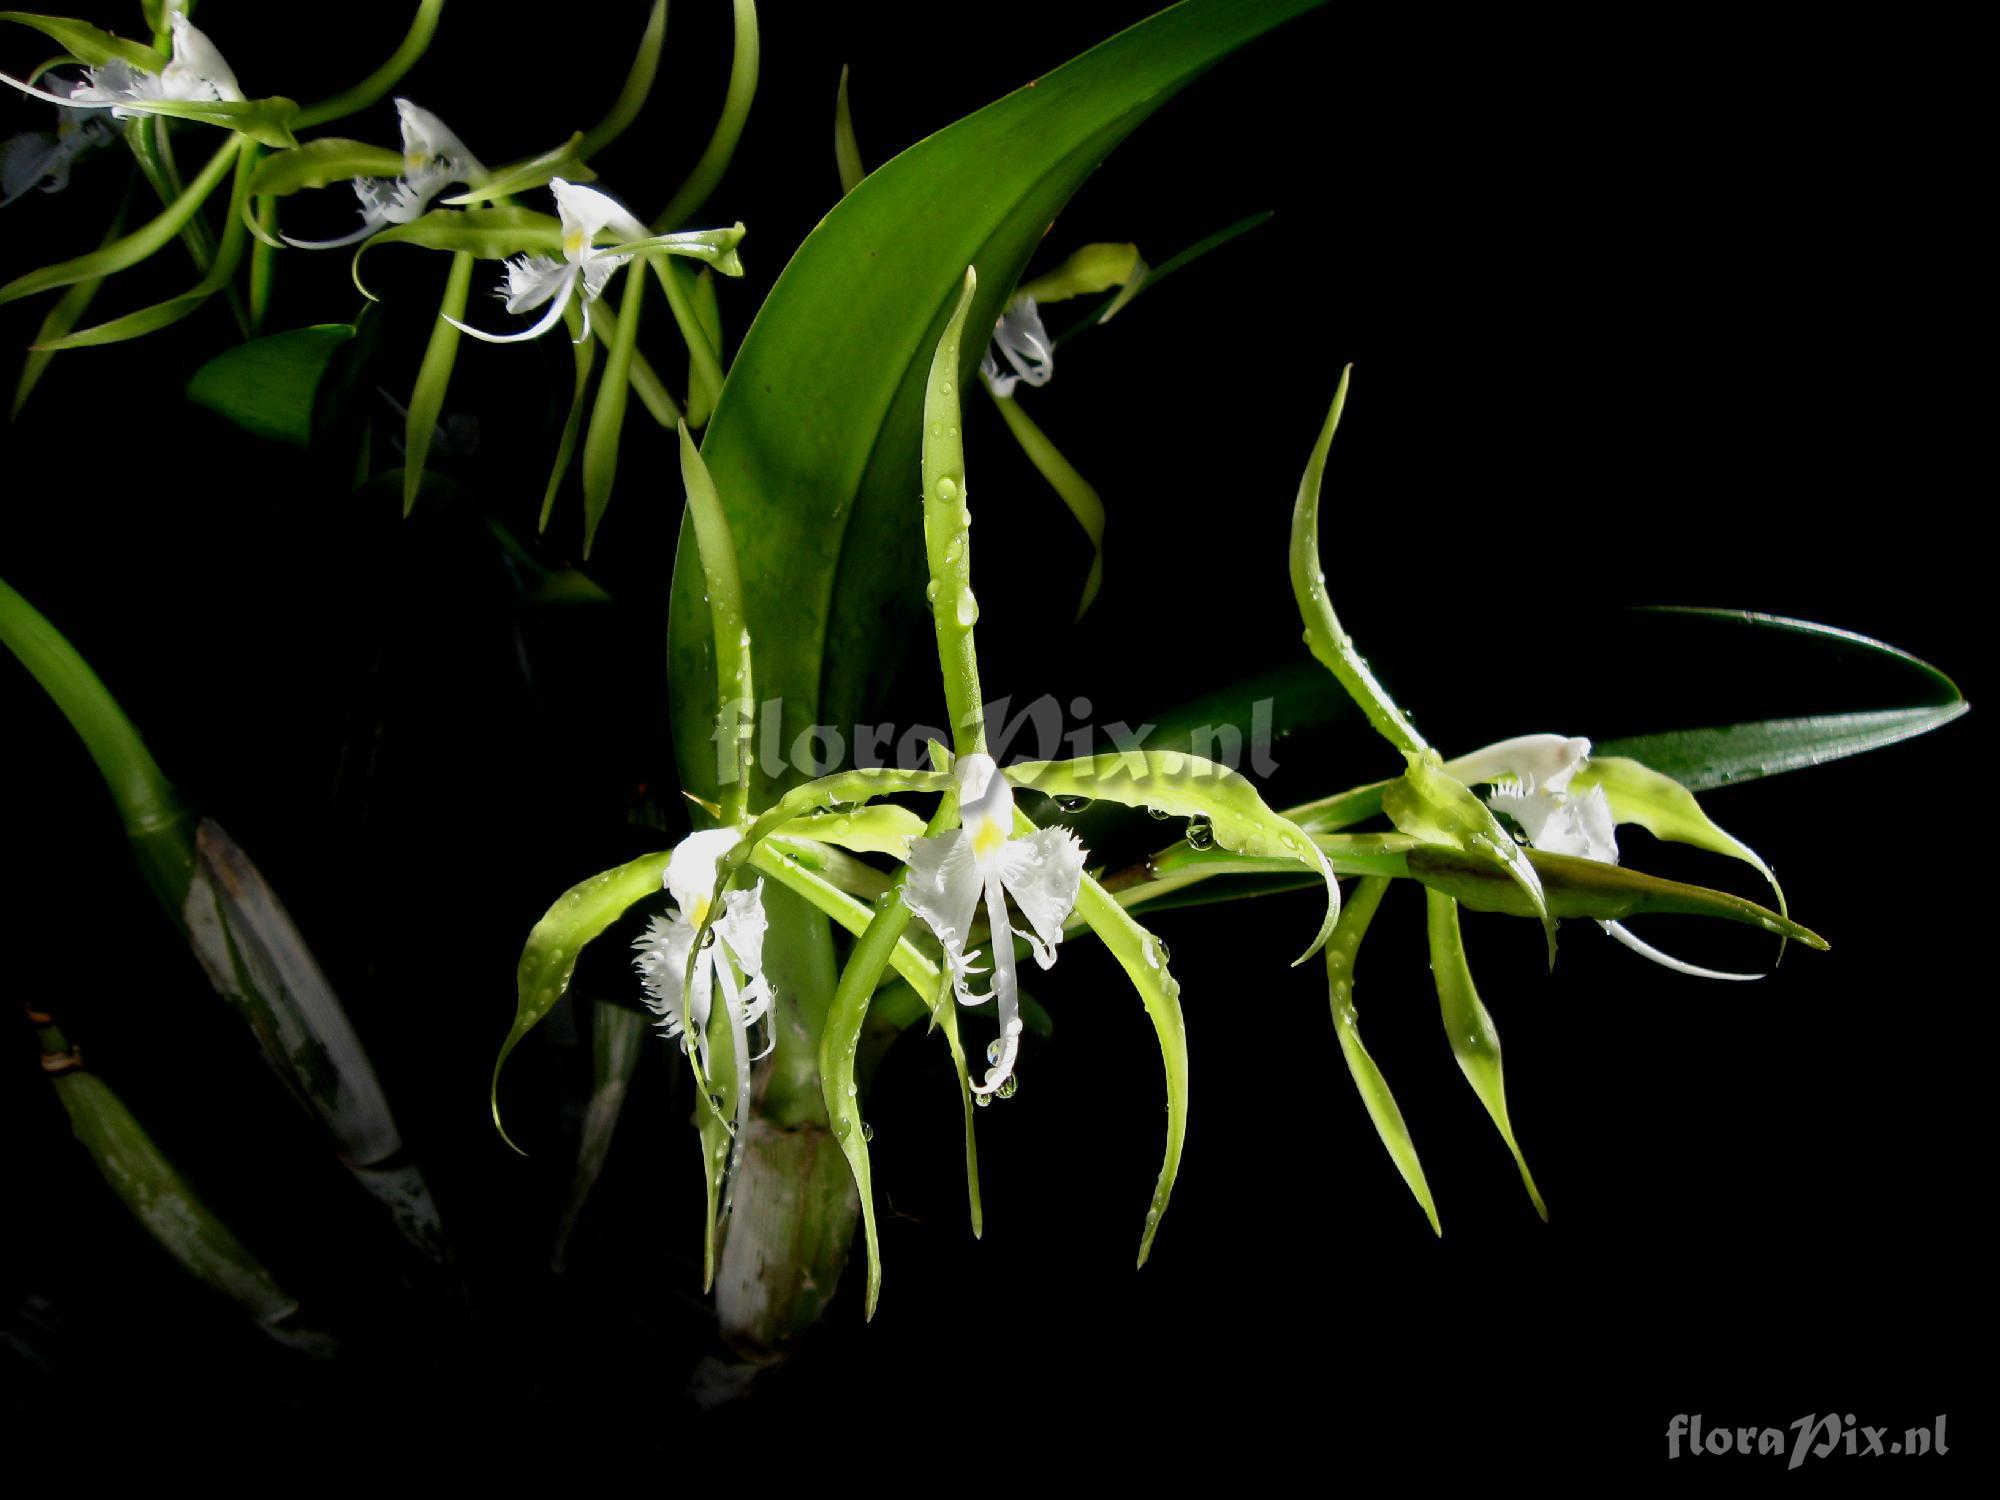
{"points": [[701, 910], [573, 243], [987, 837]]}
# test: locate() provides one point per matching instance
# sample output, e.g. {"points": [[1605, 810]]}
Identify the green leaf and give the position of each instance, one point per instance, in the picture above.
{"points": [[1703, 759], [1187, 786], [268, 122], [67, 312], [86, 43], [270, 386], [549, 958], [1368, 1079], [816, 440], [1432, 805], [321, 163], [485, 233], [1102, 313], [704, 363], [583, 352], [883, 829], [1475, 1042]]}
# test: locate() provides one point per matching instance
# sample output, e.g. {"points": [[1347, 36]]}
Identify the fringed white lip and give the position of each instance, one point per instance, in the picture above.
{"points": [[533, 280], [982, 862], [434, 158], [194, 73]]}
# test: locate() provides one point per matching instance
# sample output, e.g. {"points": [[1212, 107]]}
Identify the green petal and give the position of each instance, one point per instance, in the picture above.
{"points": [[1475, 1042]]}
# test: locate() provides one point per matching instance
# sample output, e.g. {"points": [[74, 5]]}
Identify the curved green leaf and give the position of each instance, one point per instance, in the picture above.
{"points": [[416, 41], [1075, 491], [1704, 759], [434, 378], [816, 438], [1475, 1041], [1189, 787], [549, 959], [725, 603], [948, 532], [638, 85], [607, 414], [721, 147], [1665, 809], [528, 174], [846, 149]]}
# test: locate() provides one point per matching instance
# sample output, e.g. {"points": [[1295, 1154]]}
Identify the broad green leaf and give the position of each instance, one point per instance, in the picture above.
{"points": [[1431, 804], [321, 163], [88, 44], [528, 174], [632, 94], [1328, 642], [1368, 1080], [485, 233], [734, 685], [549, 958], [1144, 960], [1075, 491], [617, 1036], [1188, 787], [1704, 759], [816, 440], [947, 520], [433, 377], [721, 147], [1475, 1042], [846, 149], [150, 237], [270, 386]]}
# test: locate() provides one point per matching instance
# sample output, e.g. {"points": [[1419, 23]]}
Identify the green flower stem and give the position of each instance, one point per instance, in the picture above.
{"points": [[350, 101], [263, 261], [159, 824], [728, 129], [1332, 645], [1076, 491], [638, 85], [947, 534], [434, 377]]}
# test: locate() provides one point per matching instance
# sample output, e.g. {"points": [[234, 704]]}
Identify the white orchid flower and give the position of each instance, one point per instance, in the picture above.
{"points": [[1530, 777], [533, 280], [950, 874], [1021, 339], [433, 159], [195, 74], [42, 158], [735, 948]]}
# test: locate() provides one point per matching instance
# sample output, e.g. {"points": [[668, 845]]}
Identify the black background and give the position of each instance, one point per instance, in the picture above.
{"points": [[1644, 307]]}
